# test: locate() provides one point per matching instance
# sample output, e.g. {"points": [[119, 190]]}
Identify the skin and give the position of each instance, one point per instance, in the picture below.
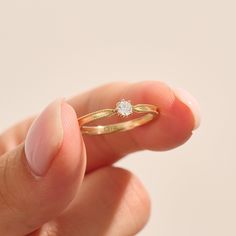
{"points": [[81, 193]]}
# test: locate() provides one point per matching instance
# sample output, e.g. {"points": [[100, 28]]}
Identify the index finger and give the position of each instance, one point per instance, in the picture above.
{"points": [[173, 127]]}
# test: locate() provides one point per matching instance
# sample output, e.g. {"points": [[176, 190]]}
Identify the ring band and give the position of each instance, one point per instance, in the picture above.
{"points": [[123, 109]]}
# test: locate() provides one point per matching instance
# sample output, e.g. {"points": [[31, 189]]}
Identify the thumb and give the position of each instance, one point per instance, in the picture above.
{"points": [[41, 176]]}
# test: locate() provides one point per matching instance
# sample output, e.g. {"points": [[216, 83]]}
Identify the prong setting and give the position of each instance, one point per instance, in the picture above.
{"points": [[124, 108]]}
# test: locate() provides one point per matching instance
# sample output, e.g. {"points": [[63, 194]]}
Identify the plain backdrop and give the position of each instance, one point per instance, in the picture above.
{"points": [[54, 48]]}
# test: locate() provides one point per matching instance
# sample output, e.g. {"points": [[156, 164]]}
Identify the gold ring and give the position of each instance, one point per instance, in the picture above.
{"points": [[123, 109]]}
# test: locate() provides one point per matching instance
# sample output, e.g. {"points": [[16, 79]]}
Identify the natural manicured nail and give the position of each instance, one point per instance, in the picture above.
{"points": [[191, 102], [44, 138]]}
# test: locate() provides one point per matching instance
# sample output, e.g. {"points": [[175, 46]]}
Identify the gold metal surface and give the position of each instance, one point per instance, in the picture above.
{"points": [[150, 110]]}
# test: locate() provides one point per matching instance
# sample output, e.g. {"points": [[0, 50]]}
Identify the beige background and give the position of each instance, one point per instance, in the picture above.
{"points": [[59, 48]]}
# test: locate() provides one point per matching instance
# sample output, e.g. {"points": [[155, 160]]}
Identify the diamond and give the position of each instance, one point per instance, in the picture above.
{"points": [[124, 108]]}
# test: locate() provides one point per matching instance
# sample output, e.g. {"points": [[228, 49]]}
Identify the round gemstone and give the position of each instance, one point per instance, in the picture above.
{"points": [[124, 108]]}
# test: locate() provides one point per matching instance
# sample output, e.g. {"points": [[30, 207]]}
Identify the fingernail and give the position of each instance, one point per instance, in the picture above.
{"points": [[44, 138], [191, 102]]}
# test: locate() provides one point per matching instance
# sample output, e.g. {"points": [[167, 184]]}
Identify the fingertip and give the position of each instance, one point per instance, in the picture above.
{"points": [[154, 92], [174, 123], [72, 141], [178, 123], [190, 101], [70, 125], [67, 169], [44, 139]]}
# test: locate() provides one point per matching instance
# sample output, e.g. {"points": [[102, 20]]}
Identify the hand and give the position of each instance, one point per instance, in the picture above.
{"points": [[54, 181]]}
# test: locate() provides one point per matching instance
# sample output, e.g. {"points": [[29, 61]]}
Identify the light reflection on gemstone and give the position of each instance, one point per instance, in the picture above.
{"points": [[124, 108]]}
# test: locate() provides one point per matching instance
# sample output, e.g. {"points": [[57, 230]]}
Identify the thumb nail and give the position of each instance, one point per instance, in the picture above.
{"points": [[191, 102], [44, 138]]}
